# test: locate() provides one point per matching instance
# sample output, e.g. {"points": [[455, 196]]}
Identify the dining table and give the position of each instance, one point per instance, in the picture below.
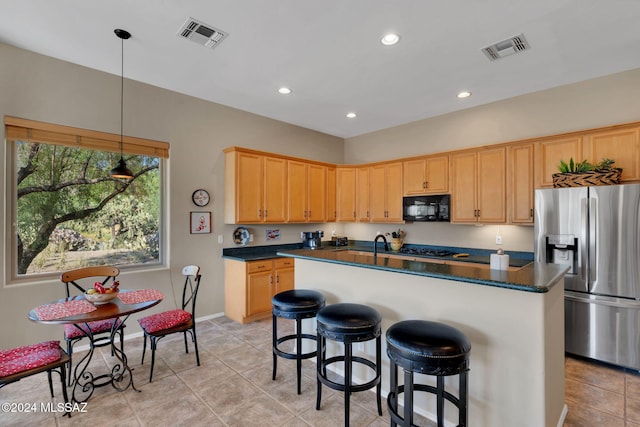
{"points": [[79, 311]]}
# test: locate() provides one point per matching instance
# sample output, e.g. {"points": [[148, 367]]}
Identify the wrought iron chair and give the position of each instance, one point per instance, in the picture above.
{"points": [[158, 326], [21, 362], [100, 331]]}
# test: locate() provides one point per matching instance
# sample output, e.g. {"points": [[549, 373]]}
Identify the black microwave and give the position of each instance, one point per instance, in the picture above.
{"points": [[426, 208]]}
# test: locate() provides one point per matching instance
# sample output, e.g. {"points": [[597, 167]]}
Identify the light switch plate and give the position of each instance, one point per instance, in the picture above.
{"points": [[498, 240]]}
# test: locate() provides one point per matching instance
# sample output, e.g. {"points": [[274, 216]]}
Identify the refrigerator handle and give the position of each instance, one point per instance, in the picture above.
{"points": [[582, 257], [593, 237]]}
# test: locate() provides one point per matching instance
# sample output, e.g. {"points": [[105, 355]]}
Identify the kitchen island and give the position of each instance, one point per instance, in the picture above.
{"points": [[514, 320]]}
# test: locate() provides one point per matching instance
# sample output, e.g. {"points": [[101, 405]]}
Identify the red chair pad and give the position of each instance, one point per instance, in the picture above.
{"points": [[27, 357], [164, 320], [71, 331]]}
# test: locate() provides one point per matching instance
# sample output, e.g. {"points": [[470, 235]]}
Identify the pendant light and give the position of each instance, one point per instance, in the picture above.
{"points": [[121, 171]]}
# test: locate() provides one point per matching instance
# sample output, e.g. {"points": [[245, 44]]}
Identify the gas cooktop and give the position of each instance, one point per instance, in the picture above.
{"points": [[426, 252]]}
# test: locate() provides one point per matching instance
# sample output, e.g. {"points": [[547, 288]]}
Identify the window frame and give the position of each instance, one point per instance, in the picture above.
{"points": [[33, 131]]}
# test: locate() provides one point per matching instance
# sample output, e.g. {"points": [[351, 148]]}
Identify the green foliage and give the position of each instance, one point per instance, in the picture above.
{"points": [[585, 166]]}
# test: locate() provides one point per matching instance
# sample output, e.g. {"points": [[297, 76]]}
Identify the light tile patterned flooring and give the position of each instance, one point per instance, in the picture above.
{"points": [[233, 387]]}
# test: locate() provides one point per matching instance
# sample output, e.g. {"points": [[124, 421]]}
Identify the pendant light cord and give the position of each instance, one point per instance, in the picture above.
{"points": [[121, 95]]}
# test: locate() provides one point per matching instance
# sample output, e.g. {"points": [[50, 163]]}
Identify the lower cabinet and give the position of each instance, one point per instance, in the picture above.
{"points": [[249, 286]]}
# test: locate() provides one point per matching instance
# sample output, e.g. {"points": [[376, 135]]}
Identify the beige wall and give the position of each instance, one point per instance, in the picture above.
{"points": [[41, 88], [593, 103]]}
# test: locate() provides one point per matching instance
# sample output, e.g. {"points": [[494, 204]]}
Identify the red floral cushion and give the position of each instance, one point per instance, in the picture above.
{"points": [[70, 331], [164, 320], [27, 357]]}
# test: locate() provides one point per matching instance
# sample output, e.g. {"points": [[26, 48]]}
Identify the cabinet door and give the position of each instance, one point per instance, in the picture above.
{"points": [[415, 179], [275, 190], [393, 192], [284, 273], [550, 152], [259, 292], [521, 172], [331, 195], [437, 175], [298, 190], [463, 187], [620, 145], [346, 194], [249, 189], [492, 186], [362, 195], [317, 193], [377, 193]]}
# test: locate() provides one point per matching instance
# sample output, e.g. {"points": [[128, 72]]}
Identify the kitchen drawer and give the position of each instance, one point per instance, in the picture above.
{"points": [[256, 266], [284, 262]]}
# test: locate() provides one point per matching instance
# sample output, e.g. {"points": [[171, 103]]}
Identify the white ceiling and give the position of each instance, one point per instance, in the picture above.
{"points": [[329, 52]]}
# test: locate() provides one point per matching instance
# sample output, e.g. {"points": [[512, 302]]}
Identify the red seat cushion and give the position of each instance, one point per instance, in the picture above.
{"points": [[164, 320], [27, 357], [71, 331]]}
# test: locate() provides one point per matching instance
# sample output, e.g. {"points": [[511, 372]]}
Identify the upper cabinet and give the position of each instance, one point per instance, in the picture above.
{"points": [[332, 212], [520, 169], [478, 186], [255, 188], [345, 194], [363, 213], [426, 175], [549, 153], [307, 191], [620, 145], [385, 192]]}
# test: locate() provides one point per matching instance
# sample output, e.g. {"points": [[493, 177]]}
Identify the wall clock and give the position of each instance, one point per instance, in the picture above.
{"points": [[200, 197]]}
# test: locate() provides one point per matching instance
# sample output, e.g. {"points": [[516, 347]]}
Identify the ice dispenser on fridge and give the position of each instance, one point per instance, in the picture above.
{"points": [[562, 249]]}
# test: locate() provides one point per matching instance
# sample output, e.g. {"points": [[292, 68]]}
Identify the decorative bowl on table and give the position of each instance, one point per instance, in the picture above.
{"points": [[98, 298]]}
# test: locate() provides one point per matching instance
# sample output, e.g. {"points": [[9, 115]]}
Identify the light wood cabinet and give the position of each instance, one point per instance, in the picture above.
{"points": [[307, 190], [249, 286], [385, 197], [478, 190], [550, 152], [255, 188], [332, 212], [346, 194], [363, 213], [426, 175], [621, 145], [521, 190]]}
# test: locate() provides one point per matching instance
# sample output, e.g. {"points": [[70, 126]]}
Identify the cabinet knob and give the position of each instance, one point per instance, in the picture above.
{"points": [[531, 213], [426, 184], [266, 213]]}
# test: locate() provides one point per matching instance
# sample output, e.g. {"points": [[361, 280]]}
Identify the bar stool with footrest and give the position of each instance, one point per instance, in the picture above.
{"points": [[348, 323], [428, 348], [297, 304]]}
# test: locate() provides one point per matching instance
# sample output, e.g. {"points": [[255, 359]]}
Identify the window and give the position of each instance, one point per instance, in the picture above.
{"points": [[67, 212]]}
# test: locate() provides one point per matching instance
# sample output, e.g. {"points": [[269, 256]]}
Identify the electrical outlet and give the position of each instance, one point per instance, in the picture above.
{"points": [[251, 237], [220, 238], [498, 240]]}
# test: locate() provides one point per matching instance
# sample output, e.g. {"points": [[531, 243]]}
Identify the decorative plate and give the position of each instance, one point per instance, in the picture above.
{"points": [[241, 236]]}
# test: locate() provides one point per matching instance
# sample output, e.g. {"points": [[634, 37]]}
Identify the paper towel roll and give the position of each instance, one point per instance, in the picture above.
{"points": [[499, 262]]}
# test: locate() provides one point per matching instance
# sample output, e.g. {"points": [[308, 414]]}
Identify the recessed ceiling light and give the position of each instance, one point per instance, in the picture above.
{"points": [[390, 39], [284, 90], [464, 94], [351, 115]]}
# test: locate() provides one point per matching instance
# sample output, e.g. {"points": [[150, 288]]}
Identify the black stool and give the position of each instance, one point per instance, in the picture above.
{"points": [[348, 323], [428, 348], [296, 304]]}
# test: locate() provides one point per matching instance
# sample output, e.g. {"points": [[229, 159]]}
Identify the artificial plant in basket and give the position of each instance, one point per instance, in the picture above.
{"points": [[574, 174]]}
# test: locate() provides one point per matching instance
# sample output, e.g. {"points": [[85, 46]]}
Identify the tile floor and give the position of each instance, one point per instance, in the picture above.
{"points": [[233, 387]]}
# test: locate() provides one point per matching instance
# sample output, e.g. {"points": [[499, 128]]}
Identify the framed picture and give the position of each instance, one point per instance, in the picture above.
{"points": [[200, 222]]}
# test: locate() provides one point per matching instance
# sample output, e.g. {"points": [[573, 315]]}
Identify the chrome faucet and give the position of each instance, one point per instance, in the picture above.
{"points": [[375, 244]]}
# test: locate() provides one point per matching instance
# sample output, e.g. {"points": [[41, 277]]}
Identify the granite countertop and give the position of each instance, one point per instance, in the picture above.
{"points": [[533, 277]]}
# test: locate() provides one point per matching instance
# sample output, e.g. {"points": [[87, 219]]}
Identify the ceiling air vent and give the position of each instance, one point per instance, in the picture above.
{"points": [[201, 33], [506, 47]]}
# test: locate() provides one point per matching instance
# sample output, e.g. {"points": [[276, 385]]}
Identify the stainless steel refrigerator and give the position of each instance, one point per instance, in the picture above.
{"points": [[596, 232]]}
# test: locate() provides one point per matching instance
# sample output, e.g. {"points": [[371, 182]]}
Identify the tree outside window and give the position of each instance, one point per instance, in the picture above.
{"points": [[69, 213]]}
